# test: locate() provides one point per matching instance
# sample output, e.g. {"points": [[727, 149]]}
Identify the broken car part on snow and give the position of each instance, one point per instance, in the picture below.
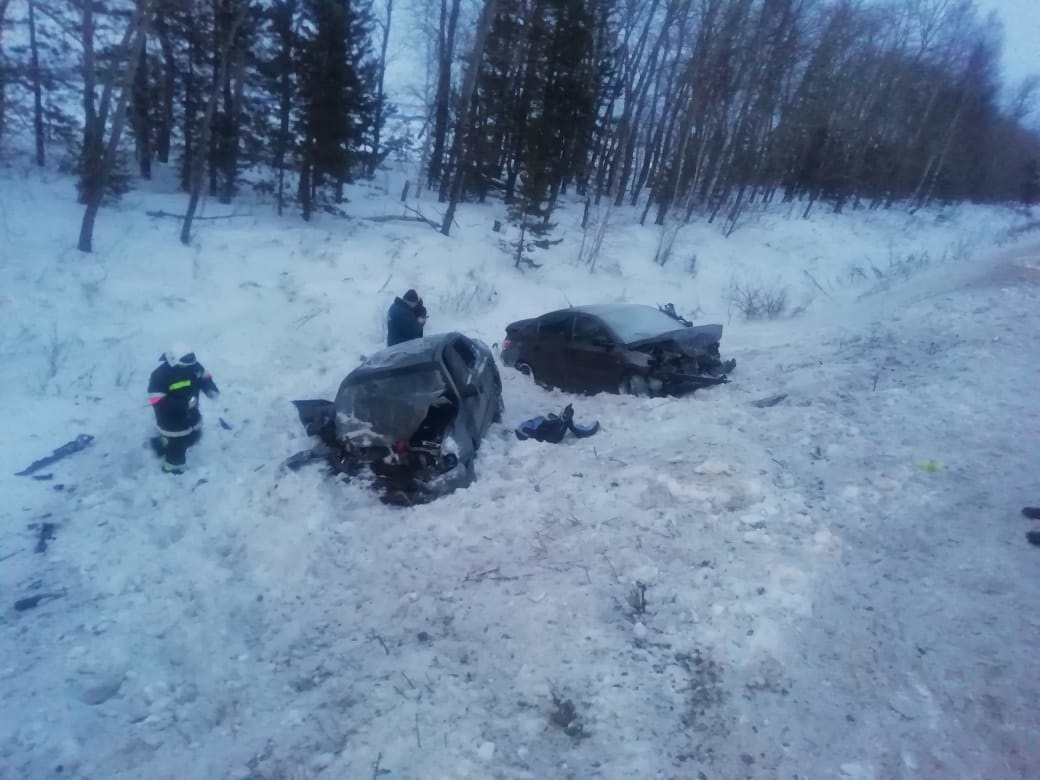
{"points": [[81, 442], [553, 428]]}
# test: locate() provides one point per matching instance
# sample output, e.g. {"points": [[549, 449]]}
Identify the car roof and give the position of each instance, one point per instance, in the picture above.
{"points": [[415, 353], [594, 310], [607, 309]]}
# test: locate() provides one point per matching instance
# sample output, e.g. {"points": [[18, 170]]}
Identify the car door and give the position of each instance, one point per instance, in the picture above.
{"points": [[461, 359], [548, 352], [593, 356]]}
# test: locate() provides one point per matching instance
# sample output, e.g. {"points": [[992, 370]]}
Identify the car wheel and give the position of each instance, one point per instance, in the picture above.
{"points": [[636, 385], [527, 370]]}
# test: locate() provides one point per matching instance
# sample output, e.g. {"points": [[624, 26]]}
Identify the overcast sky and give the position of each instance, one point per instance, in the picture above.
{"points": [[1021, 35]]}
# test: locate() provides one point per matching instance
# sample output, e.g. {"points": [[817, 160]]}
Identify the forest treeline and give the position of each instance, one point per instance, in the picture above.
{"points": [[683, 108]]}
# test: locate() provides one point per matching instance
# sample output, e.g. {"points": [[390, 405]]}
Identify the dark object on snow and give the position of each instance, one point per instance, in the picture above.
{"points": [[616, 348], [224, 424], [46, 534], [31, 602], [403, 320], [669, 309], [81, 442], [565, 716], [412, 417], [772, 400], [553, 428], [43, 477], [1033, 513]]}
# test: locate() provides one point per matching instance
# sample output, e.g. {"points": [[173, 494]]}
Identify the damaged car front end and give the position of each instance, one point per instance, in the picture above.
{"points": [[409, 419], [681, 361]]}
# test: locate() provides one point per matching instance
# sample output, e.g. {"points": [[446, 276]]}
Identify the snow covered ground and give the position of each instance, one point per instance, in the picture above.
{"points": [[837, 586]]}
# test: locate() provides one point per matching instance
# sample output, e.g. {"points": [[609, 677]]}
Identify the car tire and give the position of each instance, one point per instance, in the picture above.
{"points": [[634, 384]]}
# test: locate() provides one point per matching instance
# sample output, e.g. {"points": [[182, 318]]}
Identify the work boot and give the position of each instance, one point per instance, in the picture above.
{"points": [[1033, 537], [1032, 512]]}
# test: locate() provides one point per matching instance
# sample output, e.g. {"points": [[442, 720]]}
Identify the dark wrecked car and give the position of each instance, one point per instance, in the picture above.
{"points": [[411, 417], [619, 348]]}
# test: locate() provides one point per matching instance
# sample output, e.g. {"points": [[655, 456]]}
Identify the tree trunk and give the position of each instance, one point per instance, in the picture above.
{"points": [[169, 86], [142, 112], [378, 119], [230, 155], [202, 152], [459, 144], [3, 69], [284, 31], [441, 106], [37, 85], [190, 108], [216, 124], [99, 156]]}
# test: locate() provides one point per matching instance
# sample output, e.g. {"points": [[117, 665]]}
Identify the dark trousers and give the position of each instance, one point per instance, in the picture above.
{"points": [[174, 449]]}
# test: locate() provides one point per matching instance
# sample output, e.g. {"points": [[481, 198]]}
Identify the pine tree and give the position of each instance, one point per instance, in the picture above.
{"points": [[336, 78]]}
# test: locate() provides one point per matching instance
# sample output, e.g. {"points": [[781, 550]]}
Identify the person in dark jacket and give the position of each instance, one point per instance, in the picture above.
{"points": [[403, 321], [173, 392]]}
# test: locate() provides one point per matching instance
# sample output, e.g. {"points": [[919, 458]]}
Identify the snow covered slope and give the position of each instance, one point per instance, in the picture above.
{"points": [[835, 586]]}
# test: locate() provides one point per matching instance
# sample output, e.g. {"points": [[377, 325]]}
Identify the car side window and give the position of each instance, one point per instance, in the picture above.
{"points": [[557, 328], [588, 330]]}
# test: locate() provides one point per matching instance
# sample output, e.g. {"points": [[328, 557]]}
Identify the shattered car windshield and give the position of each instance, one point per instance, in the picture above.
{"points": [[393, 404], [637, 323]]}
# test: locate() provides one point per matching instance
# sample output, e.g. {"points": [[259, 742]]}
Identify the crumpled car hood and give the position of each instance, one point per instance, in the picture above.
{"points": [[384, 409], [383, 421], [693, 342]]}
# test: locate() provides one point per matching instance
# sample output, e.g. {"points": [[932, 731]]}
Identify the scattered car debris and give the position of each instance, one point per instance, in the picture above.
{"points": [[46, 534], [31, 602], [564, 715], [553, 428], [772, 400], [81, 442]]}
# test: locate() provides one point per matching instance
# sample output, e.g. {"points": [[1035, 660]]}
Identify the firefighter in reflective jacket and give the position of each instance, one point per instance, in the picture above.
{"points": [[173, 392]]}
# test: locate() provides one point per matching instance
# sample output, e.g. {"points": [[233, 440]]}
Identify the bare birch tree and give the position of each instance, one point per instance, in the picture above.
{"points": [[460, 141], [104, 120]]}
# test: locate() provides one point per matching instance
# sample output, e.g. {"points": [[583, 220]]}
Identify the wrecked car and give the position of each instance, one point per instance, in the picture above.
{"points": [[411, 417], [618, 348]]}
